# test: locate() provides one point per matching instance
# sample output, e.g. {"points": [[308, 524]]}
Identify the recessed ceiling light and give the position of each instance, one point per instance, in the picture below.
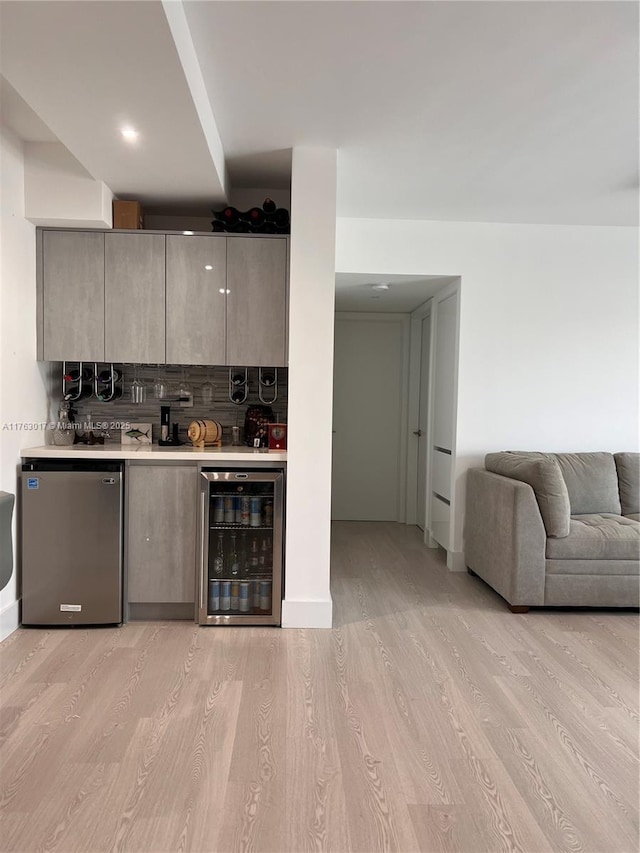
{"points": [[129, 133], [208, 267], [224, 290], [381, 286], [187, 233]]}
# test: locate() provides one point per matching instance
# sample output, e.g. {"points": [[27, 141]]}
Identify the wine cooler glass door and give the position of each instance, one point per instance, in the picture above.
{"points": [[241, 550]]}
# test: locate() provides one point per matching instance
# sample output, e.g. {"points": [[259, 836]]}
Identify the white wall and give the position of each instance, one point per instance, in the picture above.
{"points": [[307, 602], [59, 191], [548, 329], [245, 197], [23, 397]]}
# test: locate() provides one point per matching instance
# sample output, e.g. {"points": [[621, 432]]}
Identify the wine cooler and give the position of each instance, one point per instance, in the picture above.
{"points": [[241, 547]]}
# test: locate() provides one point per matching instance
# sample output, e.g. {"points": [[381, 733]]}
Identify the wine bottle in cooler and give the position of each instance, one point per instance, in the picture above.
{"points": [[218, 560], [254, 556], [243, 553], [268, 555], [234, 559], [269, 205]]}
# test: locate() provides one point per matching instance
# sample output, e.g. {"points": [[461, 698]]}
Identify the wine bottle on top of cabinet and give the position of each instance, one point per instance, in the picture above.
{"points": [[255, 216]]}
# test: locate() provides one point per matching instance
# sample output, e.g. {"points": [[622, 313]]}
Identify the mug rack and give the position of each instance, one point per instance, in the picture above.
{"points": [[87, 381], [268, 378], [238, 384]]}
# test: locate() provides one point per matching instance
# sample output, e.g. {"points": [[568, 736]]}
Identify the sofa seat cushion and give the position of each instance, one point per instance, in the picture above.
{"points": [[628, 466], [542, 473], [601, 536]]}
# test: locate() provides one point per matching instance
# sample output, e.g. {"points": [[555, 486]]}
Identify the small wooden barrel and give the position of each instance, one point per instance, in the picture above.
{"points": [[205, 432]]}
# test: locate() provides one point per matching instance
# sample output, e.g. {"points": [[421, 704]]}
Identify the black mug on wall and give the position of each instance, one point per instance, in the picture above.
{"points": [[75, 374], [104, 376]]}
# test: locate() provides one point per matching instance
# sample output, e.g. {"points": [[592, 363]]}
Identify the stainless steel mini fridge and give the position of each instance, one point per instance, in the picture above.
{"points": [[241, 547], [71, 520]]}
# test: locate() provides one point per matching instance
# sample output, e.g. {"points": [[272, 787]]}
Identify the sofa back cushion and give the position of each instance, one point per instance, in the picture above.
{"points": [[542, 473], [628, 467], [592, 482]]}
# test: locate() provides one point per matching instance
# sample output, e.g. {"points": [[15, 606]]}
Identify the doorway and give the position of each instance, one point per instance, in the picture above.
{"points": [[369, 405], [384, 404]]}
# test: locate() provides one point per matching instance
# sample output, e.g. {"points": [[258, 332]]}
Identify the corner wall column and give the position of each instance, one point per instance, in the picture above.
{"points": [[307, 602]]}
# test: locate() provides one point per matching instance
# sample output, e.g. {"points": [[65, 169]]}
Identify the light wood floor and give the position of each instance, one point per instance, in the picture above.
{"points": [[430, 718]]}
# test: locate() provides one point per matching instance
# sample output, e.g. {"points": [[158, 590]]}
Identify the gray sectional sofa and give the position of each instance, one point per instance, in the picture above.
{"points": [[556, 529]]}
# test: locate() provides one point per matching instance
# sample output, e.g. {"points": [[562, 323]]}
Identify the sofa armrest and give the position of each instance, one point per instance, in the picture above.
{"points": [[505, 538]]}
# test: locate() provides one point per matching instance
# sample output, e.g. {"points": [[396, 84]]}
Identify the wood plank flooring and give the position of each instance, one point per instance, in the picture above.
{"points": [[429, 719]]}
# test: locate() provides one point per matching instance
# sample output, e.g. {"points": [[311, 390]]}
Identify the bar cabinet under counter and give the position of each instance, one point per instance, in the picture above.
{"points": [[240, 546]]}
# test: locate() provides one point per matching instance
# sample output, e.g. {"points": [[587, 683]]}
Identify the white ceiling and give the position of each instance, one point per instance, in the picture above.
{"points": [[355, 292], [485, 111], [89, 68], [19, 116], [514, 112]]}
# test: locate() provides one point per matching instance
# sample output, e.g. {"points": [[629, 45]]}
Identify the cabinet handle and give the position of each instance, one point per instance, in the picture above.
{"points": [[417, 432]]}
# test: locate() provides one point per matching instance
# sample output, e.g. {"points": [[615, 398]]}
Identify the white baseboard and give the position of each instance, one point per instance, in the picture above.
{"points": [[456, 561], [9, 619], [307, 614]]}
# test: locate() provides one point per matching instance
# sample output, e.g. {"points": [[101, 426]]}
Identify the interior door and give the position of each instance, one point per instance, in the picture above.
{"points": [[423, 420], [367, 400]]}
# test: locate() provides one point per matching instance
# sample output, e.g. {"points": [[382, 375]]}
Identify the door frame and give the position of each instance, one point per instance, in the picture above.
{"points": [[405, 321], [455, 560], [415, 370]]}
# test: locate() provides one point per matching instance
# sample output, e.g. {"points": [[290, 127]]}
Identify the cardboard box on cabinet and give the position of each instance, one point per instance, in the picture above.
{"points": [[127, 214]]}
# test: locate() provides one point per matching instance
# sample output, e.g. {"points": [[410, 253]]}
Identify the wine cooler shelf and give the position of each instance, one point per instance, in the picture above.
{"points": [[244, 510], [240, 597]]}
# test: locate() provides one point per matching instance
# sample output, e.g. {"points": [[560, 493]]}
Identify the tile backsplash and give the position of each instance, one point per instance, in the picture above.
{"points": [[92, 411]]}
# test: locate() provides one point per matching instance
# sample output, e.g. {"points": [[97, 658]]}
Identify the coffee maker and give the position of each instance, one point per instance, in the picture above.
{"points": [[168, 435]]}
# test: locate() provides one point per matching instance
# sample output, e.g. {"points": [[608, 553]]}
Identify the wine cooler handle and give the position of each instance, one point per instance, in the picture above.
{"points": [[203, 523]]}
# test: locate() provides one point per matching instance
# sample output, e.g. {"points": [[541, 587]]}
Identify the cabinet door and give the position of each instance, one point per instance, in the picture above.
{"points": [[161, 502], [134, 298], [256, 301], [73, 295], [196, 299]]}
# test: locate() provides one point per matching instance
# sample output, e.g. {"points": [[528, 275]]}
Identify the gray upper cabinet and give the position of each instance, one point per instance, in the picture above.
{"points": [[134, 268], [196, 299], [257, 301], [148, 298], [71, 287]]}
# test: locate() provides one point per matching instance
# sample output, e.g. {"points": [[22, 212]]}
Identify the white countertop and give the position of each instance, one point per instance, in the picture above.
{"points": [[183, 453]]}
